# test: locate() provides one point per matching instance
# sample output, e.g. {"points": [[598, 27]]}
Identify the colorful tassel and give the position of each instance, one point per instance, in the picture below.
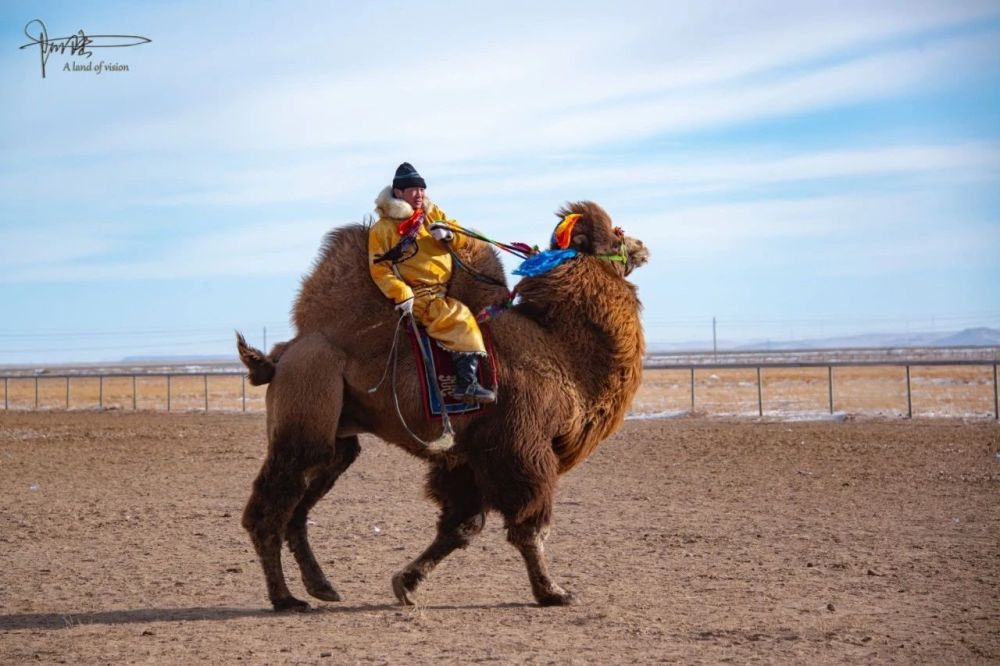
{"points": [[543, 262], [564, 230]]}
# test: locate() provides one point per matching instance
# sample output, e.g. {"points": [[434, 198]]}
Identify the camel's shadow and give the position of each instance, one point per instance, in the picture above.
{"points": [[18, 621]]}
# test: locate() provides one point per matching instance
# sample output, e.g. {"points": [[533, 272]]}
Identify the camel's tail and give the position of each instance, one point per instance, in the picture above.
{"points": [[259, 364]]}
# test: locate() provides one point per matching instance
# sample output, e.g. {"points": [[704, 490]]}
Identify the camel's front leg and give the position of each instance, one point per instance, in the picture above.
{"points": [[462, 518], [529, 540], [449, 538]]}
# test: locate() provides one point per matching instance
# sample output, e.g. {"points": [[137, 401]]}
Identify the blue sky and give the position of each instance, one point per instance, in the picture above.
{"points": [[798, 169]]}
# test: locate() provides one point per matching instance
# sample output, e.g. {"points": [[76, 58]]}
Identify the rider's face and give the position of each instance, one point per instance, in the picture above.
{"points": [[413, 196]]}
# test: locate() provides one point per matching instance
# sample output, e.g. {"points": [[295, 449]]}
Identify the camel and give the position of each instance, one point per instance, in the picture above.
{"points": [[569, 358]]}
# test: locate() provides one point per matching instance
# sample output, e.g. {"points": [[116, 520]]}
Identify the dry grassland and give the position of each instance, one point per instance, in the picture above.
{"points": [[942, 391]]}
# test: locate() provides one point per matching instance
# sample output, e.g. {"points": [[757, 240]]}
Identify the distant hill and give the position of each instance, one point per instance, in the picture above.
{"points": [[970, 337], [974, 337], [180, 358]]}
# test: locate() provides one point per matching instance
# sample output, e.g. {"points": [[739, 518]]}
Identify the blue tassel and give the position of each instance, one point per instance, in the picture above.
{"points": [[543, 262]]}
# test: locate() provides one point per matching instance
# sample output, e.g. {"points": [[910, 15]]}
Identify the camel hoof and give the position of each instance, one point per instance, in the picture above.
{"points": [[399, 588], [325, 592], [556, 597], [290, 604]]}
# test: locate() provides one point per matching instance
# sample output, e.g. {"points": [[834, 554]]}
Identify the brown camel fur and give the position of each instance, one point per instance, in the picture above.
{"points": [[569, 358]]}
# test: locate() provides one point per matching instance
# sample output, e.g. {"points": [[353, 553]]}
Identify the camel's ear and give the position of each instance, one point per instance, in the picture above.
{"points": [[581, 242]]}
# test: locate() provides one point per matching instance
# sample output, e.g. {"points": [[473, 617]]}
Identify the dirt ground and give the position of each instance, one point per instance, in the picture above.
{"points": [[690, 540]]}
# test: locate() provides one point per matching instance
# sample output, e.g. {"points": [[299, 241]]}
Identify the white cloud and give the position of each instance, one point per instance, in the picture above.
{"points": [[37, 248], [685, 206], [866, 79], [956, 244], [846, 235], [707, 172], [275, 247], [509, 118], [469, 98]]}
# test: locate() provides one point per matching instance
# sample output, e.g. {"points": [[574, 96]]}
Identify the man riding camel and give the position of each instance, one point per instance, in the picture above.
{"points": [[410, 261]]}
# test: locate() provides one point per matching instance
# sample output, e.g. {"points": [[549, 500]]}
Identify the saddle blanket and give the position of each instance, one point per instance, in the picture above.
{"points": [[443, 369]]}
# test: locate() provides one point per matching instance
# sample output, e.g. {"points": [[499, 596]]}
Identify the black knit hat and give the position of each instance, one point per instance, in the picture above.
{"points": [[407, 176]]}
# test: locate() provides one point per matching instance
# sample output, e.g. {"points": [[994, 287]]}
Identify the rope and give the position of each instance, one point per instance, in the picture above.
{"points": [[522, 250], [393, 359], [390, 358], [476, 275]]}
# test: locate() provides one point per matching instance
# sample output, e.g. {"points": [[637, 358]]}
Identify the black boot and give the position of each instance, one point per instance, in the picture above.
{"points": [[467, 388]]}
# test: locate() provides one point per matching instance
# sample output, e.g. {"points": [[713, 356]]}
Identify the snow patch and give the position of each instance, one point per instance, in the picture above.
{"points": [[645, 416]]}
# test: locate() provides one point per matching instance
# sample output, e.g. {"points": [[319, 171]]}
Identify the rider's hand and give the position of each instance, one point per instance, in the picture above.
{"points": [[406, 307], [441, 232]]}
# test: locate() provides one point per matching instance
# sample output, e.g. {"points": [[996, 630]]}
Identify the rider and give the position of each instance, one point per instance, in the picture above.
{"points": [[409, 260]]}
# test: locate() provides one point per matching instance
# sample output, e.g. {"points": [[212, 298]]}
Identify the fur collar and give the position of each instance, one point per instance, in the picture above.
{"points": [[386, 205]]}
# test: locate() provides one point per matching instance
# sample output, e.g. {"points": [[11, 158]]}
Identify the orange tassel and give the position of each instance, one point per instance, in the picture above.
{"points": [[564, 230]]}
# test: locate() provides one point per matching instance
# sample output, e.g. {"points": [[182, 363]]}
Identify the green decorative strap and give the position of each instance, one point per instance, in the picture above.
{"points": [[621, 257]]}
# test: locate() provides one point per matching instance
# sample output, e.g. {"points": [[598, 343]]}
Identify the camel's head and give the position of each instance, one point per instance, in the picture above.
{"points": [[587, 228]]}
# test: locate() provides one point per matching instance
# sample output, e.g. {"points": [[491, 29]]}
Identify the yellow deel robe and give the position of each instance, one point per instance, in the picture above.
{"points": [[424, 276]]}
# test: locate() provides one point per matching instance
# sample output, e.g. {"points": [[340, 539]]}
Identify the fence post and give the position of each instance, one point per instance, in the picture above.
{"points": [[134, 401], [168, 393], [100, 392], [996, 403], [206, 393], [829, 384], [909, 400], [5, 393], [692, 390], [243, 389], [67, 393], [760, 395], [36, 393]]}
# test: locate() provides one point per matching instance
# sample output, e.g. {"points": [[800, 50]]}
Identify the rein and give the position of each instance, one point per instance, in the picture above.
{"points": [[524, 252], [392, 360], [520, 250]]}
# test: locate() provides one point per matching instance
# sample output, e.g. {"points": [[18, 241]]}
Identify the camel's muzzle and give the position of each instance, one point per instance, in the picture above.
{"points": [[636, 254]]}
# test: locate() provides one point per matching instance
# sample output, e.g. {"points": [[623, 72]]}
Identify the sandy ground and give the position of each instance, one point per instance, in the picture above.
{"points": [[695, 540]]}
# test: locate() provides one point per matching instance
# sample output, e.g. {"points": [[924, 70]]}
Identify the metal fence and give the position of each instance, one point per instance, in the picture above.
{"points": [[133, 376], [829, 366], [205, 401]]}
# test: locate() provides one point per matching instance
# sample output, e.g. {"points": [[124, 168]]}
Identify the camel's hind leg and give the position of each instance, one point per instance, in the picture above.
{"points": [[304, 402], [276, 491], [462, 518], [317, 584]]}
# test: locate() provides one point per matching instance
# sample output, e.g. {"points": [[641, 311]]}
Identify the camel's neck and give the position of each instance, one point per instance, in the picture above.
{"points": [[594, 310], [597, 314]]}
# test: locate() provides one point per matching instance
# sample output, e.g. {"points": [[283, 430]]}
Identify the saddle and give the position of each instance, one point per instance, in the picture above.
{"points": [[442, 369]]}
